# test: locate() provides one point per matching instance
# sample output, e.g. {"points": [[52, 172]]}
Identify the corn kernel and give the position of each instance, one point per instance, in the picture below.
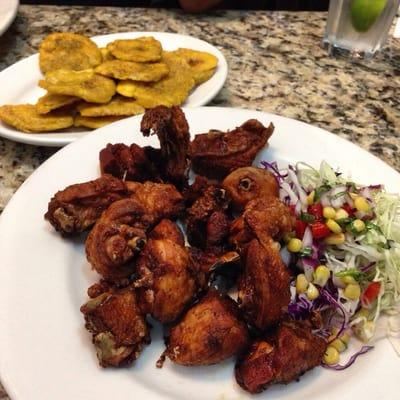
{"points": [[339, 345], [294, 245], [341, 214], [335, 239], [347, 279], [331, 356], [329, 212], [333, 226], [312, 292], [358, 225], [321, 275], [353, 195], [361, 204], [352, 291], [345, 338], [310, 198], [301, 283]]}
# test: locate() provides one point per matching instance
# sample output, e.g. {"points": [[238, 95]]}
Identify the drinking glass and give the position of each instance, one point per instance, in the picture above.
{"points": [[358, 27]]}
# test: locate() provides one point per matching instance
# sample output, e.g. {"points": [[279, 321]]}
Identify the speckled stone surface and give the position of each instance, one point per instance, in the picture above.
{"points": [[276, 64]]}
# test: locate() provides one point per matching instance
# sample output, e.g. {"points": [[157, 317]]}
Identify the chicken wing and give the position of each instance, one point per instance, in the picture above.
{"points": [[118, 326], [172, 129], [262, 219], [77, 207], [210, 332], [215, 154], [166, 283], [248, 183], [121, 232], [264, 285], [284, 355]]}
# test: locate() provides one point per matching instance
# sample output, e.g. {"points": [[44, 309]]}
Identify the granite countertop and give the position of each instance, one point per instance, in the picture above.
{"points": [[276, 64]]}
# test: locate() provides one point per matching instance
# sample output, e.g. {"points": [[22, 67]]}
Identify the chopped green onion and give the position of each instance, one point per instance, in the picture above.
{"points": [[353, 272], [305, 252], [306, 217]]}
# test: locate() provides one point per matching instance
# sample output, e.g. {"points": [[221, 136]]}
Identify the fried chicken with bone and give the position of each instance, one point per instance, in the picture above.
{"points": [[118, 326], [166, 283], [262, 219], [147, 269], [77, 207], [210, 332], [121, 232], [282, 356], [249, 183], [172, 130], [264, 285], [215, 154]]}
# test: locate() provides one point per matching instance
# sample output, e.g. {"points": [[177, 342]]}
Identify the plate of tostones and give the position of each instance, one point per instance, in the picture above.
{"points": [[151, 266], [76, 84]]}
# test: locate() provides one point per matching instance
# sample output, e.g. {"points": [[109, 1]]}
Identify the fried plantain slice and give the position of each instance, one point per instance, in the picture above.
{"points": [[95, 122], [68, 51], [170, 91], [143, 72], [51, 101], [84, 84], [201, 63], [106, 55], [117, 106], [25, 118], [142, 49]]}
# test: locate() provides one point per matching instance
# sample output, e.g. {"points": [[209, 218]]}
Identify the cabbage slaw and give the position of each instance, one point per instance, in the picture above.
{"points": [[364, 255]]}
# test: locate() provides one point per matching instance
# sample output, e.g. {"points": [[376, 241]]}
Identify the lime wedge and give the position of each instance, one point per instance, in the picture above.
{"points": [[365, 12]]}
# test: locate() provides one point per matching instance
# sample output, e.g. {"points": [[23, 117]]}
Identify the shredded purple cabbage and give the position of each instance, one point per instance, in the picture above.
{"points": [[352, 359], [273, 167], [366, 268]]}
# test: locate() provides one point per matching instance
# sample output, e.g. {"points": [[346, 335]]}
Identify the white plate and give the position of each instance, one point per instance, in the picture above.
{"points": [[19, 84], [46, 354], [8, 11]]}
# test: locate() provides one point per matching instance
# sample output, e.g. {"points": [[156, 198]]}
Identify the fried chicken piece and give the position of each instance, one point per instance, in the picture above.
{"points": [[262, 219], [160, 200], [77, 207], [215, 154], [196, 189], [132, 163], [283, 356], [118, 326], [166, 282], [207, 223], [205, 264], [210, 332], [172, 129], [248, 183], [121, 232], [264, 285]]}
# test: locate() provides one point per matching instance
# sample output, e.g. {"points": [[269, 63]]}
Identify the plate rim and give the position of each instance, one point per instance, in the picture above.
{"points": [[42, 139], [13, 392], [11, 19]]}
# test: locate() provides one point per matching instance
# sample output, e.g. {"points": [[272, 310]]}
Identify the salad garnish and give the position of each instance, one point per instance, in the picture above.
{"points": [[345, 253]]}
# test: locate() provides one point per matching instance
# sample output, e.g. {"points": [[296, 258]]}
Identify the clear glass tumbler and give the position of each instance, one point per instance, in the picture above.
{"points": [[358, 27]]}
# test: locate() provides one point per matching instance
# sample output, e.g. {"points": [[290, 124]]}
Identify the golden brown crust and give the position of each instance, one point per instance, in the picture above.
{"points": [[78, 206], [264, 286], [210, 332], [249, 183], [216, 154], [118, 326], [284, 355]]}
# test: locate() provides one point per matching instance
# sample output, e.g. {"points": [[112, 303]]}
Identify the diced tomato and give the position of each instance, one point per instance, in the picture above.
{"points": [[292, 208], [349, 209], [320, 230], [370, 294], [300, 228], [315, 210]]}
